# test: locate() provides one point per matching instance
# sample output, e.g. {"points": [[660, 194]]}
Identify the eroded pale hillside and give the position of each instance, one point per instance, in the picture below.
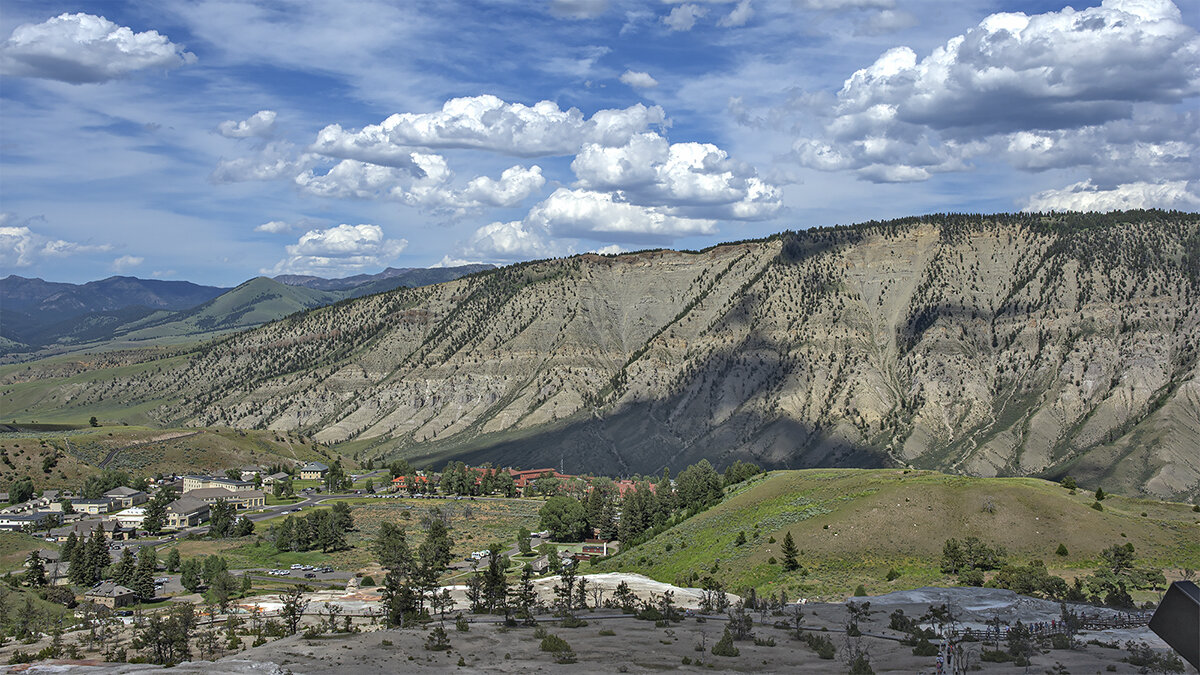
{"points": [[981, 344]]}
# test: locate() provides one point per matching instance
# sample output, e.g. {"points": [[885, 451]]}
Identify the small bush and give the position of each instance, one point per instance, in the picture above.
{"points": [[1060, 641], [764, 642], [860, 591], [1143, 656], [924, 648], [367, 581], [1098, 506], [994, 656], [893, 574], [460, 624], [771, 560], [437, 640], [1061, 551], [724, 646], [554, 644], [608, 632], [573, 622], [861, 666], [971, 577], [821, 644]]}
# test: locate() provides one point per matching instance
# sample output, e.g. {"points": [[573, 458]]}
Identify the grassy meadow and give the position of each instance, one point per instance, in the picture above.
{"points": [[853, 526]]}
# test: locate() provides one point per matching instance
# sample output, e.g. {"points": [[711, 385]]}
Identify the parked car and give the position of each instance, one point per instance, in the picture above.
{"points": [[297, 566], [309, 575]]}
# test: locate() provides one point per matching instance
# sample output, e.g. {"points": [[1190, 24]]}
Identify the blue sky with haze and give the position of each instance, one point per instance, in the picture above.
{"points": [[213, 141]]}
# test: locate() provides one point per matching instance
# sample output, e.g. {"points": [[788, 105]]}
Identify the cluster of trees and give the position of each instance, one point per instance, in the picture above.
{"points": [[137, 574], [20, 490], [212, 573], [156, 510], [970, 555], [323, 529], [642, 511], [458, 479], [223, 521], [23, 618], [411, 577], [336, 479], [1114, 577], [95, 485], [282, 488], [740, 471], [87, 559], [166, 636]]}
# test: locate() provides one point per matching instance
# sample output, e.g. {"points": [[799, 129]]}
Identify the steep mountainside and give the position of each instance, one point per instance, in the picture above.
{"points": [[989, 345]]}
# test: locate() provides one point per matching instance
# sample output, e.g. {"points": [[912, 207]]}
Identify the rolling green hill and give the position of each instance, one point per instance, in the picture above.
{"points": [[252, 303], [852, 526]]}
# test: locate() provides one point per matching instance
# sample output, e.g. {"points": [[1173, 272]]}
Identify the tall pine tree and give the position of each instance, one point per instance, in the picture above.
{"points": [[789, 553]]}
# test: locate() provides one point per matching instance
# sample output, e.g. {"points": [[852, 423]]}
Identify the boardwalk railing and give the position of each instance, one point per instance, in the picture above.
{"points": [[1054, 627]]}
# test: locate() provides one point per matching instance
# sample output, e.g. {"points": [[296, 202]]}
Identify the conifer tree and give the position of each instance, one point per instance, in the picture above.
{"points": [[789, 553], [143, 577], [35, 576]]}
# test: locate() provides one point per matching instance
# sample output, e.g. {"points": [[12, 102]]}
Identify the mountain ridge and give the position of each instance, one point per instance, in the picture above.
{"points": [[120, 310], [1011, 344]]}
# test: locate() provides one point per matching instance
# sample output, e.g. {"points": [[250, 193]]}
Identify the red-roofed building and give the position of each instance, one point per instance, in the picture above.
{"points": [[417, 482], [595, 548], [522, 478]]}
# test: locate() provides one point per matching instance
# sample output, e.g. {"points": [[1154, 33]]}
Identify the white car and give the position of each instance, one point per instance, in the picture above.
{"points": [[297, 566]]}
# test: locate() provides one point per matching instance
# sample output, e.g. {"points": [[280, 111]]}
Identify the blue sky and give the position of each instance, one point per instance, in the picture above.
{"points": [[214, 141]]}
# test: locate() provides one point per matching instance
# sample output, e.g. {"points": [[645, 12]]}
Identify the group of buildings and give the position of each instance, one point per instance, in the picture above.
{"points": [[122, 510]]}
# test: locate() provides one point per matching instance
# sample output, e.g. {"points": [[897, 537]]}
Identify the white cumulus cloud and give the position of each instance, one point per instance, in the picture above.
{"points": [[509, 242], [275, 161], [692, 179], [1085, 196], [261, 124], [1067, 88], [84, 48], [516, 184], [600, 215], [274, 227], [20, 246], [683, 17], [339, 250], [638, 79], [127, 261], [486, 123], [742, 13]]}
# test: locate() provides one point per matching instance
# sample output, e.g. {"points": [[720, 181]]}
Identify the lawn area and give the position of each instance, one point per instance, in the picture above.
{"points": [[473, 526]]}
